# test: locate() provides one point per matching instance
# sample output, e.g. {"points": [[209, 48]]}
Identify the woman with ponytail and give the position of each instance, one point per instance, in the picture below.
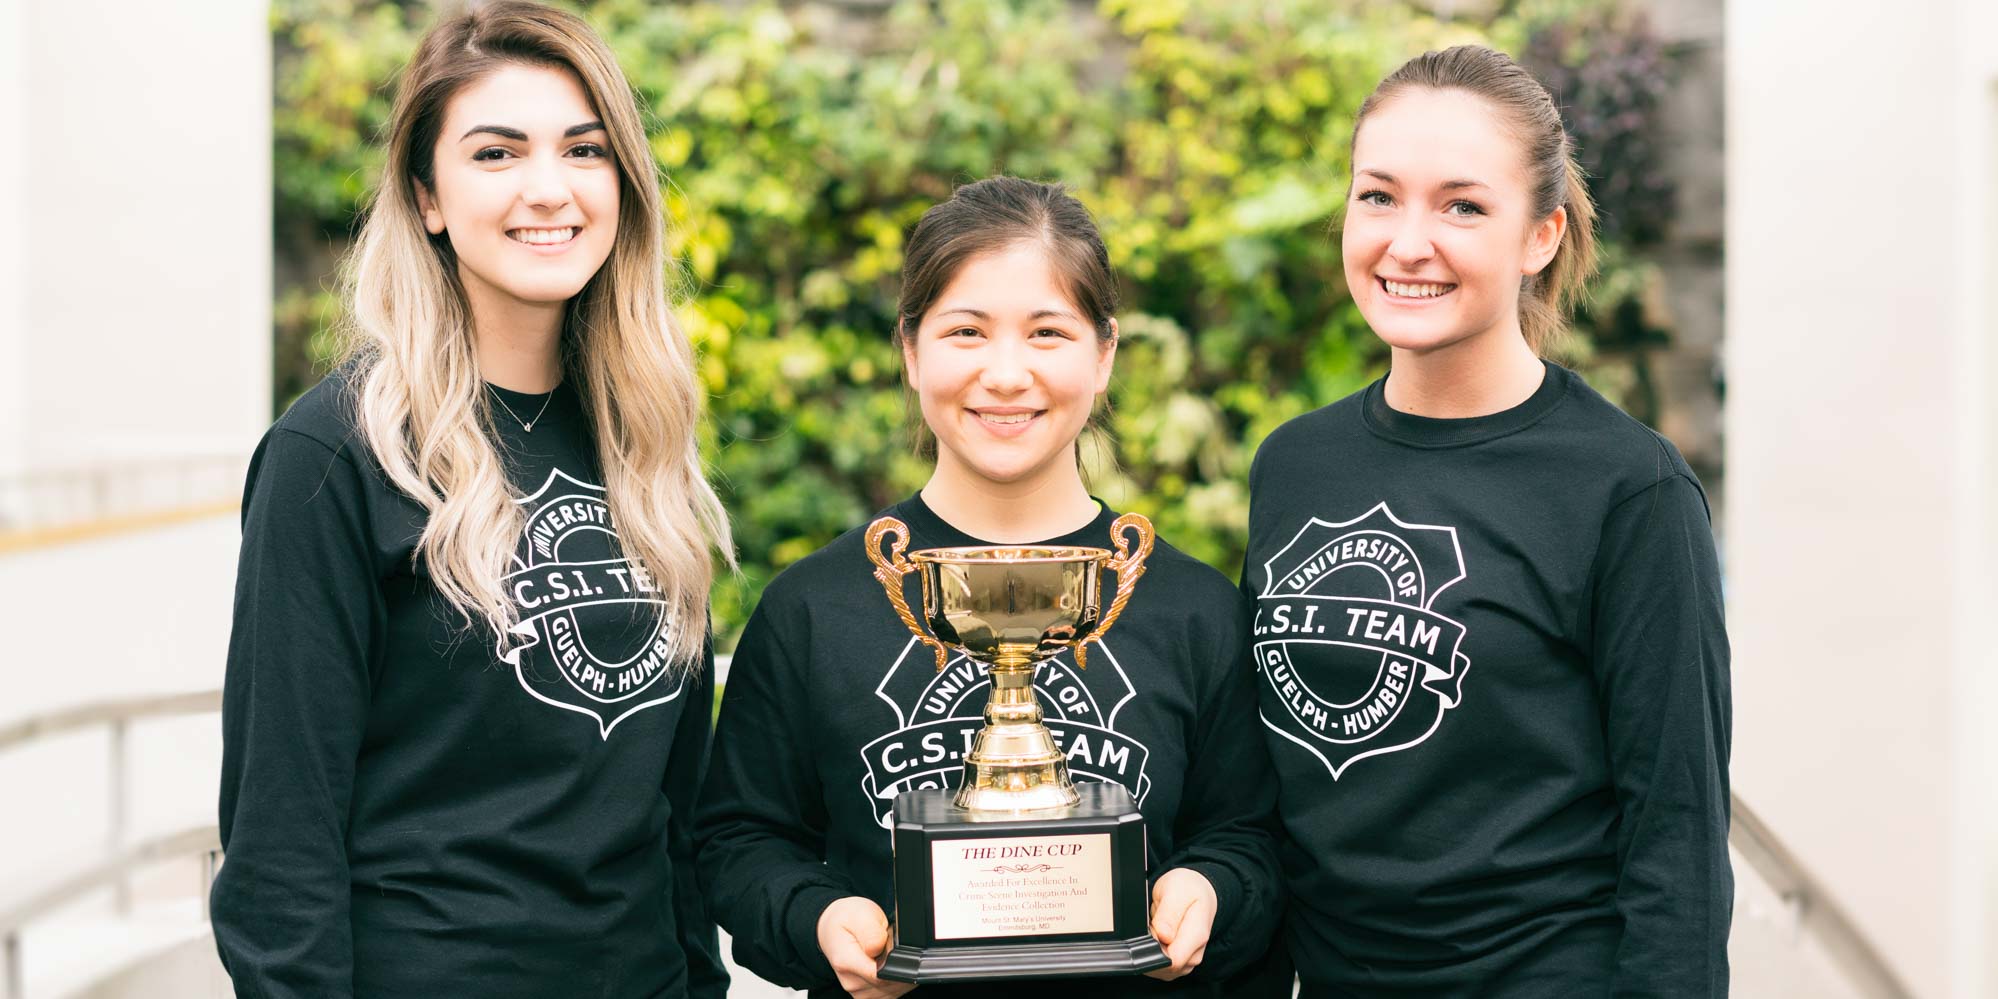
{"points": [[1495, 670], [1008, 333], [468, 688]]}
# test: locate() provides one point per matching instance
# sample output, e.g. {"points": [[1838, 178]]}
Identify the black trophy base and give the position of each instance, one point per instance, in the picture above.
{"points": [[1080, 959], [1057, 893]]}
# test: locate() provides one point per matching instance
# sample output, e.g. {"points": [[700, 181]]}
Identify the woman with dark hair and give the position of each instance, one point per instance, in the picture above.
{"points": [[467, 690], [1008, 334], [1488, 610]]}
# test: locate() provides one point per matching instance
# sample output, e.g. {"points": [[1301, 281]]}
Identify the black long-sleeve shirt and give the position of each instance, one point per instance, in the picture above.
{"points": [[833, 708], [1495, 685], [405, 811]]}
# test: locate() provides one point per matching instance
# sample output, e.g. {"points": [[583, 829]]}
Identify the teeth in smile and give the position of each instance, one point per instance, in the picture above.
{"points": [[1007, 418], [1416, 290], [543, 236]]}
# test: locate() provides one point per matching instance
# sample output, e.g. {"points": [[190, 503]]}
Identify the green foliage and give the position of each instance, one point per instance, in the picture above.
{"points": [[799, 143], [1610, 75], [336, 59]]}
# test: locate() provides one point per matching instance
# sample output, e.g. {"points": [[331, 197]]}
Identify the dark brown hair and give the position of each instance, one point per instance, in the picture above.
{"points": [[1554, 176], [992, 215]]}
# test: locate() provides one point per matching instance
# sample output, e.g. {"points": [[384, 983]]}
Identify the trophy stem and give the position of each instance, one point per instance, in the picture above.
{"points": [[1014, 764]]}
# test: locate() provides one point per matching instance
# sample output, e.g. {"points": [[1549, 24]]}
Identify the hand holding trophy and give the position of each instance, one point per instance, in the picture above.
{"points": [[1019, 873]]}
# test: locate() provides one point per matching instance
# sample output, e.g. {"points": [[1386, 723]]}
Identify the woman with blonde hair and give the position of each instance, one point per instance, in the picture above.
{"points": [[468, 680]]}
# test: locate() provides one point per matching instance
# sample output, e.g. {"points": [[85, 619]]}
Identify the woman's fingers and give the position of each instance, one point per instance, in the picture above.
{"points": [[854, 966], [853, 935], [1182, 920], [1189, 945]]}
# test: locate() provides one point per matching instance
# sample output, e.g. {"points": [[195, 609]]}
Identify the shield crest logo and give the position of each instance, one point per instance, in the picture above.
{"points": [[1356, 661], [936, 715], [578, 597]]}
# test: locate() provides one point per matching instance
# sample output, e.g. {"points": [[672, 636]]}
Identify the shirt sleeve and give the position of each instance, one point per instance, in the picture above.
{"points": [[1226, 823], [762, 821], [1660, 653], [707, 977], [307, 620]]}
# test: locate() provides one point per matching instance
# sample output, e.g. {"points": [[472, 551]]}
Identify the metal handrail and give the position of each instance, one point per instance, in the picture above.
{"points": [[122, 858], [108, 713], [186, 842], [1818, 913]]}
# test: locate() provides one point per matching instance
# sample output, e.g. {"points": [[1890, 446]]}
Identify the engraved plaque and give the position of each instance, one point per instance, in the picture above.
{"points": [[1022, 886], [1059, 893]]}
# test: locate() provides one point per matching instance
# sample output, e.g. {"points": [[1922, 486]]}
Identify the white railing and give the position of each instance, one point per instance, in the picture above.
{"points": [[1811, 908], [121, 858]]}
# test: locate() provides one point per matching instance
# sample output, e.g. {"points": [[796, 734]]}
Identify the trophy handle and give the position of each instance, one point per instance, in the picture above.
{"points": [[1129, 565], [889, 570]]}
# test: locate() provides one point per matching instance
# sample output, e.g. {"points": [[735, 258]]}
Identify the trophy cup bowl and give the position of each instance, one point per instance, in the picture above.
{"points": [[1011, 605], [1009, 608], [1019, 873]]}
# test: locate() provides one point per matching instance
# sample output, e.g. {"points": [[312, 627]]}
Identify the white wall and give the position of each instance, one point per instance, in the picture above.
{"points": [[1860, 396], [134, 323], [142, 143], [13, 307], [1975, 959], [1979, 590], [1986, 595]]}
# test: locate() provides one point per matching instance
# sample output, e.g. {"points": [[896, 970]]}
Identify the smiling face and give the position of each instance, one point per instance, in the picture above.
{"points": [[1006, 368], [524, 187], [1440, 230]]}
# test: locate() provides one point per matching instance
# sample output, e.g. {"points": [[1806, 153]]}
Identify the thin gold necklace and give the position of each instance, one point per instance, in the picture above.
{"points": [[527, 425]]}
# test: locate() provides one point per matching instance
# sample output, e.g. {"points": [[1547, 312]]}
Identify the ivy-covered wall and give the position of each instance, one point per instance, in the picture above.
{"points": [[800, 142]]}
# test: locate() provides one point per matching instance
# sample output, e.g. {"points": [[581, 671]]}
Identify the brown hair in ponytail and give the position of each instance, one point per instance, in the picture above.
{"points": [[1552, 173]]}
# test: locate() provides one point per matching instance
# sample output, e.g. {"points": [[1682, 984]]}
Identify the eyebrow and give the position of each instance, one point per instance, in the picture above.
{"points": [[1448, 185], [1037, 314], [519, 136]]}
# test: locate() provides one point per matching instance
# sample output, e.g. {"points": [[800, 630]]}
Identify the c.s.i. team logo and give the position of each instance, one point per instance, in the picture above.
{"points": [[936, 714], [570, 561], [1357, 661]]}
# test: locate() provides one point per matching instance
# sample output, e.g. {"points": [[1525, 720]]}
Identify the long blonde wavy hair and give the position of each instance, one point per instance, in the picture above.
{"points": [[418, 393]]}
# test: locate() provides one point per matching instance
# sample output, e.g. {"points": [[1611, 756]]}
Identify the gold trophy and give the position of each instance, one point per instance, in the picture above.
{"points": [[1020, 873]]}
